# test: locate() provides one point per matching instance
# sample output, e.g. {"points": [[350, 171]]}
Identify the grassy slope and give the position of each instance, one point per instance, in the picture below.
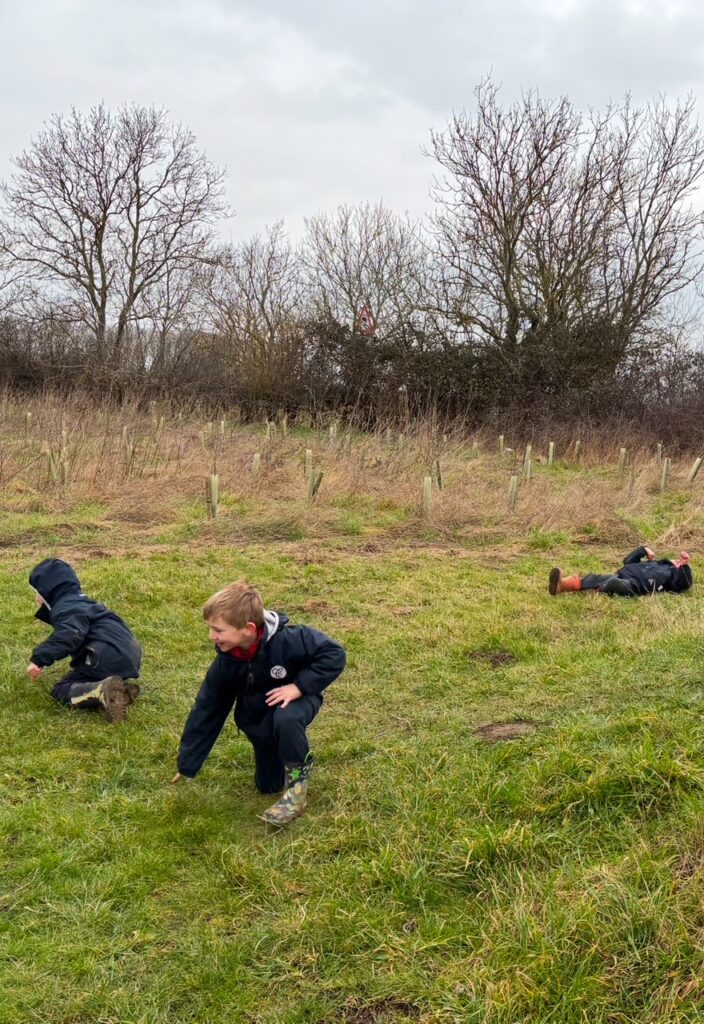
{"points": [[436, 878]]}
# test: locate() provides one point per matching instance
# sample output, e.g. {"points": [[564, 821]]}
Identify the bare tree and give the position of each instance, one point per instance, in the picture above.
{"points": [[365, 261], [253, 295], [362, 256], [163, 340], [102, 209], [561, 238]]}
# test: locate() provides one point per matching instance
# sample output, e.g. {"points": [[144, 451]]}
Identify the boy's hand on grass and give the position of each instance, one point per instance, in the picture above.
{"points": [[34, 671], [283, 695], [649, 554]]}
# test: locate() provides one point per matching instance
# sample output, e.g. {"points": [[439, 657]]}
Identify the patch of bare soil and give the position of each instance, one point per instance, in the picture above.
{"points": [[498, 732], [370, 548], [384, 1011], [495, 658], [317, 604]]}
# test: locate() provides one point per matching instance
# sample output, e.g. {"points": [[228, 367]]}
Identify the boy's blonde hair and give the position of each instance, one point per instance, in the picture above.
{"points": [[237, 603]]}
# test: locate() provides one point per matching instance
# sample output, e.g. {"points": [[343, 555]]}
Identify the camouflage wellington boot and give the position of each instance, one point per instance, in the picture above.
{"points": [[113, 695], [294, 800]]}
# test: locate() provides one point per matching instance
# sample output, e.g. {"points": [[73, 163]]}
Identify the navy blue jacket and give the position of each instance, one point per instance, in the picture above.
{"points": [[84, 630], [287, 654], [652, 577]]}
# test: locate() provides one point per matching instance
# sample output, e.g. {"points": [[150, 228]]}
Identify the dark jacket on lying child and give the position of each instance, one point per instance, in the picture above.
{"points": [[636, 578], [100, 645], [655, 576]]}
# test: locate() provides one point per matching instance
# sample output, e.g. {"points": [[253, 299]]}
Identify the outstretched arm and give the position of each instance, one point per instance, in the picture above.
{"points": [[69, 633], [204, 724]]}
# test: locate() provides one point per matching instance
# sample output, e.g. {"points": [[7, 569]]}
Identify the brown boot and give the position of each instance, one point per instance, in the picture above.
{"points": [[559, 584], [113, 694]]}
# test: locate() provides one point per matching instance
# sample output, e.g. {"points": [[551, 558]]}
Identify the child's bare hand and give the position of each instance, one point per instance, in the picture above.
{"points": [[34, 671], [283, 695], [649, 554]]}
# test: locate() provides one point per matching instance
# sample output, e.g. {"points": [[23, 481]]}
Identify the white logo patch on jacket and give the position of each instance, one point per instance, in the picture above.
{"points": [[278, 672]]}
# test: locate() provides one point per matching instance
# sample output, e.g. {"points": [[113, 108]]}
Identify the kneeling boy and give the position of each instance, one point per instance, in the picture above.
{"points": [[274, 674]]}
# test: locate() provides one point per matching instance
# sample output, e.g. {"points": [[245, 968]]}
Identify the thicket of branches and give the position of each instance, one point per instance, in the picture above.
{"points": [[557, 278]]}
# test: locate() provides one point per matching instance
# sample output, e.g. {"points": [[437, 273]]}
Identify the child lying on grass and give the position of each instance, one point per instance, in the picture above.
{"points": [[634, 579]]}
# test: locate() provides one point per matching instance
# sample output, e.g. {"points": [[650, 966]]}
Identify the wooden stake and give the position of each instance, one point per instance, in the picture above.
{"points": [[694, 470], [212, 494], [427, 495], [665, 474], [314, 482]]}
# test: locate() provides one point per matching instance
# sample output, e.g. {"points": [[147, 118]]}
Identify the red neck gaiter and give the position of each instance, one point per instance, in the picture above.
{"points": [[247, 654]]}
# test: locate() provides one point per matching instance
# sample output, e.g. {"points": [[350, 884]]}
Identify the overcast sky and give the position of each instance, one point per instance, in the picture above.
{"points": [[309, 104]]}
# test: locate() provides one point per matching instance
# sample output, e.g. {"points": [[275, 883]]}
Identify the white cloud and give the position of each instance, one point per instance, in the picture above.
{"points": [[312, 104]]}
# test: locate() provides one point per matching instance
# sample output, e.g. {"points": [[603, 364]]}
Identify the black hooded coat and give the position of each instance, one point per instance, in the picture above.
{"points": [[653, 577], [84, 630], [287, 654]]}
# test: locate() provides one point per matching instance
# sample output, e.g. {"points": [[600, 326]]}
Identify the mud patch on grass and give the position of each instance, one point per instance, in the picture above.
{"points": [[499, 732], [495, 658], [370, 548], [384, 1011], [317, 604]]}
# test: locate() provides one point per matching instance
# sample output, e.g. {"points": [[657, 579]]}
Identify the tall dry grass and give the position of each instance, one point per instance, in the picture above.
{"points": [[141, 466]]}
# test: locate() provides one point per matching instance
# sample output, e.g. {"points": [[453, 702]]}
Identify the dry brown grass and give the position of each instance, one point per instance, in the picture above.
{"points": [[142, 472]]}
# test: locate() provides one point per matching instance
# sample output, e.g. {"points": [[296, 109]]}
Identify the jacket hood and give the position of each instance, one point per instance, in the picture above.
{"points": [[273, 622], [52, 577]]}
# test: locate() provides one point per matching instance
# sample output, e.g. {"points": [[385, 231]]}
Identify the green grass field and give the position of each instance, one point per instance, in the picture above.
{"points": [[557, 877]]}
